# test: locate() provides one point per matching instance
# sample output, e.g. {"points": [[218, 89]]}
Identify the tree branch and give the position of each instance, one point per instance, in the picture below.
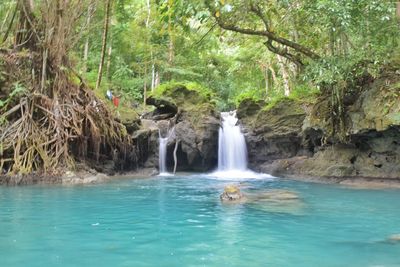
{"points": [[265, 33]]}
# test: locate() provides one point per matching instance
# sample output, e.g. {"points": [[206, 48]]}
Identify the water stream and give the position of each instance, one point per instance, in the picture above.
{"points": [[232, 151], [162, 151]]}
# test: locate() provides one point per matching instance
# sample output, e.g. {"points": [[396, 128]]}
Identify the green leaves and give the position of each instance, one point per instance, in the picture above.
{"points": [[18, 91]]}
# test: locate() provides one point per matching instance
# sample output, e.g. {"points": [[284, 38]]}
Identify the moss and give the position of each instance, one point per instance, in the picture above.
{"points": [[284, 117], [192, 98], [127, 115], [231, 189], [184, 93]]}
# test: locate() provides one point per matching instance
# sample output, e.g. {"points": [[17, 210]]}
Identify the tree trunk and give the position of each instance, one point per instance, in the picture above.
{"points": [[145, 86], [157, 80], [104, 44], [266, 77], [108, 74], [86, 48], [285, 76], [153, 77], [10, 23], [398, 11], [171, 35]]}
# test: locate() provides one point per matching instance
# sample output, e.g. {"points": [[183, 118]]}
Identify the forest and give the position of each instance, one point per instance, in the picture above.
{"points": [[199, 133], [59, 58]]}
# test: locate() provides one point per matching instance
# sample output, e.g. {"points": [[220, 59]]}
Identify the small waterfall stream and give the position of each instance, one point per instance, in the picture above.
{"points": [[232, 150], [162, 151]]}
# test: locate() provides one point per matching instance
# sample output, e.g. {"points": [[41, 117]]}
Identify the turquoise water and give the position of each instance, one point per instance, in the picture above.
{"points": [[165, 221]]}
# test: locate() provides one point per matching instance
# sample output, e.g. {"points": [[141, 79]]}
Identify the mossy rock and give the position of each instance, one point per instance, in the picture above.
{"points": [[183, 94], [248, 108], [193, 101], [378, 107], [129, 118], [284, 118], [231, 189]]}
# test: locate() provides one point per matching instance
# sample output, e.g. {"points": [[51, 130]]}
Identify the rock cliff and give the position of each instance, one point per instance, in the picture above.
{"points": [[294, 137]]}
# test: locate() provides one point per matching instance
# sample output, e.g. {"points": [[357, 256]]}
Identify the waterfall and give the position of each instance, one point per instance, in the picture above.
{"points": [[162, 151], [232, 150]]}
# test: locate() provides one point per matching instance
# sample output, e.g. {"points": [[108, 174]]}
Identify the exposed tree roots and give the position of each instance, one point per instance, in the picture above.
{"points": [[48, 133], [49, 118]]}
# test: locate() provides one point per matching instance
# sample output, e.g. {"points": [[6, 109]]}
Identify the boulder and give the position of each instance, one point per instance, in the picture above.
{"points": [[232, 194], [276, 195], [274, 132], [295, 138], [195, 122], [394, 238]]}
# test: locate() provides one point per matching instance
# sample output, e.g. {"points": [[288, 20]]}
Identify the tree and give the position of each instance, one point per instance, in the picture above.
{"points": [[227, 18], [104, 42], [51, 118]]}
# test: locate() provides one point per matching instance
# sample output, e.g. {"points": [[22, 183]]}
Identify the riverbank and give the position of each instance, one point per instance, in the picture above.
{"points": [[85, 177], [81, 177]]}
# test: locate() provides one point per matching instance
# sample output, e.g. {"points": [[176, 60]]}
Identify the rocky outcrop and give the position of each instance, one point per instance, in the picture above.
{"points": [[292, 138], [273, 133], [188, 111]]}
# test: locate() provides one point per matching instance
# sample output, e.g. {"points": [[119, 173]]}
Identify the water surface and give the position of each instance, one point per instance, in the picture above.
{"points": [[179, 221]]}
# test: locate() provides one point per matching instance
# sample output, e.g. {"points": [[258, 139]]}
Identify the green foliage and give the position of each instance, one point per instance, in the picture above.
{"points": [[254, 95], [352, 38], [17, 91], [174, 89]]}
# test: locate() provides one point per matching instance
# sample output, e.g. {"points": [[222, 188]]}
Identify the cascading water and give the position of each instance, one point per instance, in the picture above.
{"points": [[162, 151], [232, 150]]}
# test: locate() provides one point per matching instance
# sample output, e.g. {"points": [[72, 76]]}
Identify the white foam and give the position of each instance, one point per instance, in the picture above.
{"points": [[165, 174], [239, 175]]}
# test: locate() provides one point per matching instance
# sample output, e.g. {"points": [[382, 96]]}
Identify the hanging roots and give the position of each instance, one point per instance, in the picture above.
{"points": [[48, 132], [49, 118]]}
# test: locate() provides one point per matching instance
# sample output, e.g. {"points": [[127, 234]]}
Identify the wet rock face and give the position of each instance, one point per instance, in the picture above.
{"points": [[195, 121], [293, 139], [272, 133], [199, 145], [146, 143]]}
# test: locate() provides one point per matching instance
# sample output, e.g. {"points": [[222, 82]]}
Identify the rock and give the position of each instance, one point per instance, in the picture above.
{"points": [[165, 109], [195, 123], [248, 108], [275, 195], [273, 133], [277, 200], [84, 178], [292, 138], [394, 238], [232, 194], [146, 143], [69, 174], [129, 118]]}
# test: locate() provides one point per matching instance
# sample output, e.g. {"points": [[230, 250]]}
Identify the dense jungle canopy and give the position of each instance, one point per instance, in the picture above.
{"points": [[59, 57]]}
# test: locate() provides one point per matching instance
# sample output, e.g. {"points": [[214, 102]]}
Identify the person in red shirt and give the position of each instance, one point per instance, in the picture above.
{"points": [[115, 100]]}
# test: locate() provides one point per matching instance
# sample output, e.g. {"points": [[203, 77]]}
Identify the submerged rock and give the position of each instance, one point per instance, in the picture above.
{"points": [[276, 195], [394, 238], [232, 194]]}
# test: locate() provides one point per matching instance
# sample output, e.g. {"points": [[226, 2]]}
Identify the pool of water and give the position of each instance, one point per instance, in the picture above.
{"points": [[179, 221]]}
